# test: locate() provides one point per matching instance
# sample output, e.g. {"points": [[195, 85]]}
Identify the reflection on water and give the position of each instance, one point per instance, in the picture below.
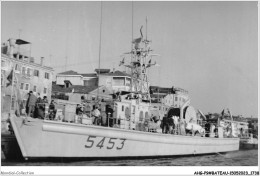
{"points": [[238, 158]]}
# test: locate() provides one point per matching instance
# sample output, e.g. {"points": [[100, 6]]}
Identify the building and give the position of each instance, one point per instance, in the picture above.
{"points": [[77, 78], [18, 66], [75, 93], [113, 81]]}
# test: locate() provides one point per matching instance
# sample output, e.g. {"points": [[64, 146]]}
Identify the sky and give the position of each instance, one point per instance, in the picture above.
{"points": [[207, 48]]}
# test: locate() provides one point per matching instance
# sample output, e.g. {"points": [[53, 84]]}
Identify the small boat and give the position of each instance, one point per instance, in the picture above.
{"points": [[248, 143]]}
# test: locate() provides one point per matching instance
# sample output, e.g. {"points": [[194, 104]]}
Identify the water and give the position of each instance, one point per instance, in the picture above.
{"points": [[237, 158]]}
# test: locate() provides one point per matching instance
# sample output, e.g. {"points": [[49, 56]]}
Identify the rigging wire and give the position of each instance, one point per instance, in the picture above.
{"points": [[99, 53], [131, 88], [67, 40]]}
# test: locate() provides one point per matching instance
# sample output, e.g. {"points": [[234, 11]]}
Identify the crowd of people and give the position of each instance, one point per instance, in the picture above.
{"points": [[173, 125], [35, 105], [94, 111]]}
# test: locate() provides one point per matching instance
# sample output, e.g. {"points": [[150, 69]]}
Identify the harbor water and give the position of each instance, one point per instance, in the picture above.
{"points": [[236, 158]]}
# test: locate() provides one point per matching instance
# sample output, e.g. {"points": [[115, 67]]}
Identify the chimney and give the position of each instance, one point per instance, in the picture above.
{"points": [[42, 59], [12, 46]]}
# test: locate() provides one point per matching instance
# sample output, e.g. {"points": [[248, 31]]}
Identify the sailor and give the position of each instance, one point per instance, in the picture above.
{"points": [[170, 124], [27, 103], [31, 103], [176, 124], [52, 110], [45, 100], [164, 124], [39, 110], [96, 114], [79, 109], [182, 127]]}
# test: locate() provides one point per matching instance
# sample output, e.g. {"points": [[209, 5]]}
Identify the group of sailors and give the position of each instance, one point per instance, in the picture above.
{"points": [[98, 118], [36, 106], [173, 125]]}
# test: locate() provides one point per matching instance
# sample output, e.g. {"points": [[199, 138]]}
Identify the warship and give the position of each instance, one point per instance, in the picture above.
{"points": [[131, 125]]}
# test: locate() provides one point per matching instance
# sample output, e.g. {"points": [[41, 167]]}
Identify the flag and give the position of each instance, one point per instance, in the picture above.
{"points": [[122, 62], [222, 113], [10, 79]]}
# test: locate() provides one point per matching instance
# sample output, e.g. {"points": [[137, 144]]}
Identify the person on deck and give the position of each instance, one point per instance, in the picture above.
{"points": [[39, 108], [182, 126], [170, 124], [45, 100], [27, 103], [96, 114], [164, 125], [31, 103], [52, 111], [79, 109], [176, 125]]}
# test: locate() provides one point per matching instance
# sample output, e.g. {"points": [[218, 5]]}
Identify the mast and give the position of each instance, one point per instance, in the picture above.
{"points": [[140, 54]]}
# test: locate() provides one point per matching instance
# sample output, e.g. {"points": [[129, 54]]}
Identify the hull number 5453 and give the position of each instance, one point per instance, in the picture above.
{"points": [[108, 145]]}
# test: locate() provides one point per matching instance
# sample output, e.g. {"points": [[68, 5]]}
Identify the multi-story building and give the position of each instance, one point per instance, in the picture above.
{"points": [[113, 81], [19, 68]]}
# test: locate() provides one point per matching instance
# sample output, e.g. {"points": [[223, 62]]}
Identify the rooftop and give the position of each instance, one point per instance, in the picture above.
{"points": [[104, 72], [116, 73], [76, 88], [70, 72]]}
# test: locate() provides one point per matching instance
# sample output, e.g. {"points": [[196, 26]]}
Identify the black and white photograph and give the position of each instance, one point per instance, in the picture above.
{"points": [[88, 84]]}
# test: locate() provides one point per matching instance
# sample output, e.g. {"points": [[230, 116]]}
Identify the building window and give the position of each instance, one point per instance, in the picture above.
{"points": [[27, 86], [45, 90], [36, 73], [17, 67], [34, 88], [123, 108], [176, 98], [47, 76], [23, 70], [128, 82], [141, 116], [21, 86], [28, 72], [118, 81]]}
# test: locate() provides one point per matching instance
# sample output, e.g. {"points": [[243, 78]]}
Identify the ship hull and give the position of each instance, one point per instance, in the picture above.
{"points": [[38, 138], [10, 147]]}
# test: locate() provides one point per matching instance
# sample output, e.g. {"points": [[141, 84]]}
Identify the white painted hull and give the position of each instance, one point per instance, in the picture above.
{"points": [[38, 138]]}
